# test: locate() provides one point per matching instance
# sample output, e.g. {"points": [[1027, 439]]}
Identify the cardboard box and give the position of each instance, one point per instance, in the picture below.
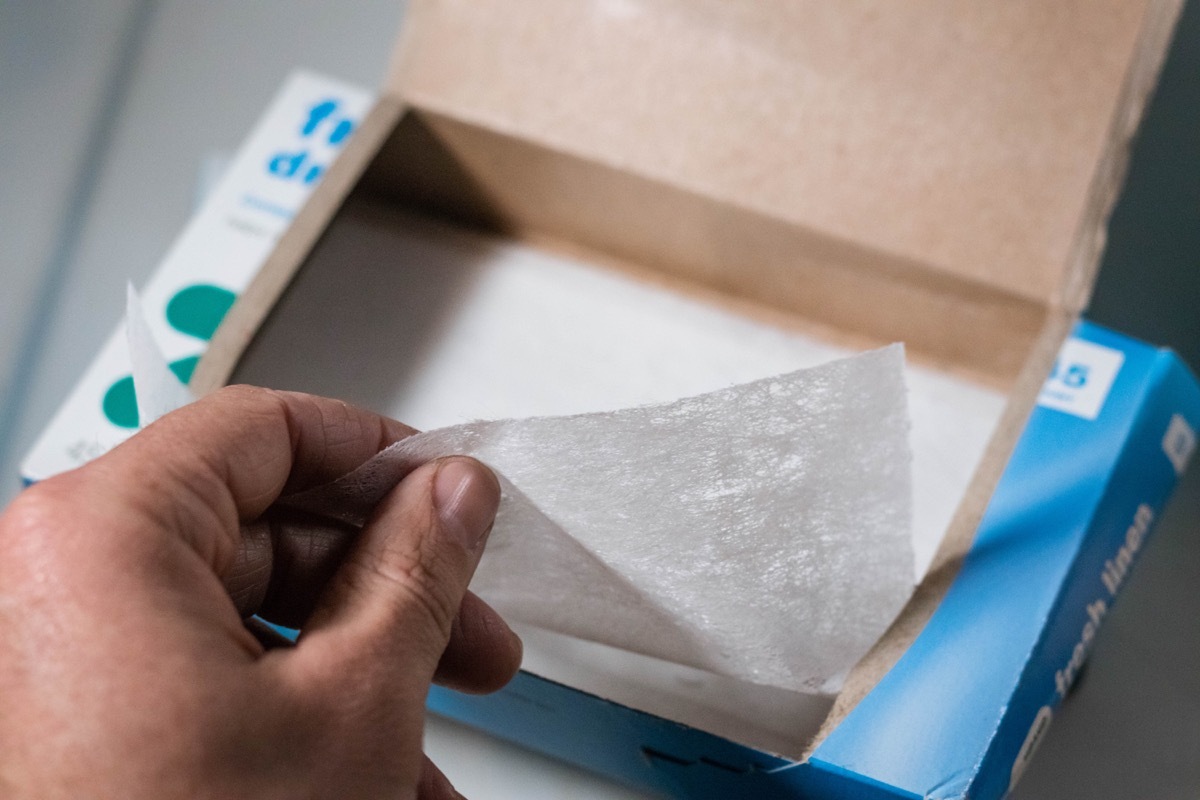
{"points": [[219, 252], [935, 172]]}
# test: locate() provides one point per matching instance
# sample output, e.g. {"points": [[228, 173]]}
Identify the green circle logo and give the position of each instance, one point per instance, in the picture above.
{"points": [[196, 311]]}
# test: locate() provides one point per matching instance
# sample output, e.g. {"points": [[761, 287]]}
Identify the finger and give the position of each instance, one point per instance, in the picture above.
{"points": [[483, 653], [435, 785], [388, 614], [286, 561], [289, 560], [200, 471]]}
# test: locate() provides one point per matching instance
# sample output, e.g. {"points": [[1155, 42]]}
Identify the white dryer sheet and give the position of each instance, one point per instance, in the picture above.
{"points": [[761, 531]]}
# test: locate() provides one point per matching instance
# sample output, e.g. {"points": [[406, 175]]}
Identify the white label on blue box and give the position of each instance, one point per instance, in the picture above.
{"points": [[212, 261], [1081, 378]]}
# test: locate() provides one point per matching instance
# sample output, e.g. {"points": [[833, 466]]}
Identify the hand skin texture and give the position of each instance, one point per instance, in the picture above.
{"points": [[126, 669]]}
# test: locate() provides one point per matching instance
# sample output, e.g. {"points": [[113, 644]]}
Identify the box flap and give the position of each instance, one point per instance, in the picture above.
{"points": [[980, 141]]}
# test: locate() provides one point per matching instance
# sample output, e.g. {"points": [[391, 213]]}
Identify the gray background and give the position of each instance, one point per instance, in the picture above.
{"points": [[108, 108]]}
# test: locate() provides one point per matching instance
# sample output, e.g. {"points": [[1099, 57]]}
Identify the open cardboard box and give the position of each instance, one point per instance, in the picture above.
{"points": [[774, 177]]}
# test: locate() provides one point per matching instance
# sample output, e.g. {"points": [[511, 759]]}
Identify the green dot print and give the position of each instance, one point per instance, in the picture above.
{"points": [[120, 404], [184, 367], [195, 310], [198, 310], [120, 401]]}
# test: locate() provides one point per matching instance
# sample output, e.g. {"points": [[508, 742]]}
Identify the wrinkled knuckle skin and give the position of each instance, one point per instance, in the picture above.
{"points": [[243, 393], [252, 401]]}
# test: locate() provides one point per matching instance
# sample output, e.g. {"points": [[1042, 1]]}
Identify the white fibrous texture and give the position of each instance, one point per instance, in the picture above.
{"points": [[761, 531]]}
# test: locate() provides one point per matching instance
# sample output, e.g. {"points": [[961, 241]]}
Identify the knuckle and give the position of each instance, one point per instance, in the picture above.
{"points": [[252, 403], [242, 393]]}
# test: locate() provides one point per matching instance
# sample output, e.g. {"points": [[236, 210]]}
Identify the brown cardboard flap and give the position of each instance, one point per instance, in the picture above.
{"points": [[981, 141], [474, 175]]}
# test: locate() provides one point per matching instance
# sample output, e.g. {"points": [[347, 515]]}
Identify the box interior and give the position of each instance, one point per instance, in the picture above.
{"points": [[451, 285], [946, 141]]}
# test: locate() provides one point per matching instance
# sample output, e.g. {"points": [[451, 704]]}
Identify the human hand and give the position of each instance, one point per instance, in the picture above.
{"points": [[126, 670]]}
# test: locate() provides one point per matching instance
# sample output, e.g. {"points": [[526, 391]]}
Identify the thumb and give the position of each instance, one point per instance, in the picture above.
{"points": [[391, 606]]}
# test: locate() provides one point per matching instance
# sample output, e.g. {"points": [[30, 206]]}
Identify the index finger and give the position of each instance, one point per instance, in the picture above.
{"points": [[222, 461]]}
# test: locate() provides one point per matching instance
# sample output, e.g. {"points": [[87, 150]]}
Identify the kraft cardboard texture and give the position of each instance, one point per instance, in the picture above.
{"points": [[519, 189], [961, 139]]}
